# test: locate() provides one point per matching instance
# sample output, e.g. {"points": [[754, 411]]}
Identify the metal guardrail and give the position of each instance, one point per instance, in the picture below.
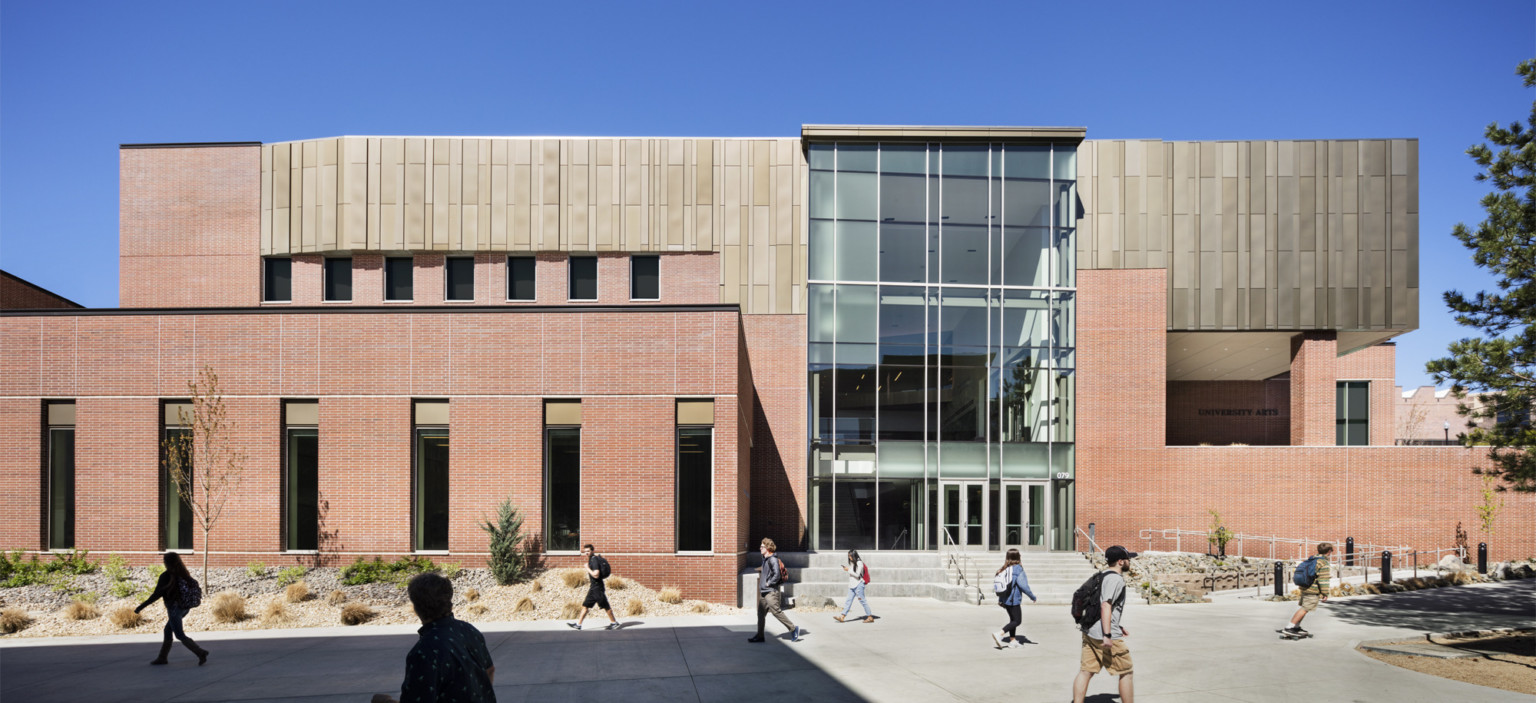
{"points": [[953, 554], [1094, 545], [1304, 547]]}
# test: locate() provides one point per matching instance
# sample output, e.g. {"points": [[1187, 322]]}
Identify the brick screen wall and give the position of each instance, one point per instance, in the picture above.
{"points": [[776, 345], [189, 226], [493, 368], [1127, 481], [17, 294]]}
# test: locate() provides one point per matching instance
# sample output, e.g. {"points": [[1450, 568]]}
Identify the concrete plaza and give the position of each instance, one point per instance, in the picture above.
{"points": [[919, 650]]}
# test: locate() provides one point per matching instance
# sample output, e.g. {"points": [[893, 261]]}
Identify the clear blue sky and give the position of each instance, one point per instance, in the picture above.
{"points": [[79, 78]]}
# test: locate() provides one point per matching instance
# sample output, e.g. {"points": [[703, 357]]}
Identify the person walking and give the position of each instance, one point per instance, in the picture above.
{"points": [[858, 577], [1312, 593], [597, 590], [770, 578], [1011, 598], [1104, 636], [181, 594], [450, 661]]}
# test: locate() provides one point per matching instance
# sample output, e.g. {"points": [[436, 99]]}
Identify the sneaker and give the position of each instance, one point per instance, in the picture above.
{"points": [[1302, 632], [1291, 631], [758, 638], [998, 639], [795, 636], [1014, 643], [612, 626], [573, 626]]}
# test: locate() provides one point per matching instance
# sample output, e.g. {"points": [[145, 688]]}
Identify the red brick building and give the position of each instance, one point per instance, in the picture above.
{"points": [[882, 338]]}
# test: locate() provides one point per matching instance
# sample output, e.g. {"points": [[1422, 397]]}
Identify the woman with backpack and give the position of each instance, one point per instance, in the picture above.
{"points": [[181, 594], [1009, 582], [858, 577]]}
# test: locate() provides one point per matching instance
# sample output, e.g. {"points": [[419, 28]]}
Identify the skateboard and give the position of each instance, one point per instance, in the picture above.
{"points": [[1288, 636]]}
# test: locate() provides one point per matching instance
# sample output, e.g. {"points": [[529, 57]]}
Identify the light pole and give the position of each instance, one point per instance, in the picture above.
{"points": [[1447, 432]]}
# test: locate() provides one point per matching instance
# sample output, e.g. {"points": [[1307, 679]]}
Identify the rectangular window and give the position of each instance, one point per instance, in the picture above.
{"points": [[430, 483], [460, 278], [301, 490], [176, 456], [583, 278], [520, 277], [61, 475], [695, 471], [338, 280], [1352, 404], [398, 278], [644, 278], [277, 277], [562, 475]]}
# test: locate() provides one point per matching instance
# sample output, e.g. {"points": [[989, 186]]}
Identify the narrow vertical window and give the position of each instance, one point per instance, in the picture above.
{"points": [[175, 507], [61, 475], [695, 474], [644, 277], [277, 277], [460, 278], [562, 475], [301, 477], [583, 270], [430, 483], [338, 279], [398, 277], [520, 272], [1352, 407]]}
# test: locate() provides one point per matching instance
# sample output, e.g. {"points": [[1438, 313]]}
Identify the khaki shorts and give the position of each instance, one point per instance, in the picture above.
{"points": [[1310, 598], [1116, 661]]}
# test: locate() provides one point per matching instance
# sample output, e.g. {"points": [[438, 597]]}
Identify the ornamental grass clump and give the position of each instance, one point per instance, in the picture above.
{"points": [[571, 609], [475, 610], [356, 614], [471, 595], [81, 610], [634, 607], [537, 586], [297, 592], [670, 595], [126, 617], [277, 612], [574, 578], [617, 583], [337, 597], [524, 605], [229, 607], [13, 620], [701, 607]]}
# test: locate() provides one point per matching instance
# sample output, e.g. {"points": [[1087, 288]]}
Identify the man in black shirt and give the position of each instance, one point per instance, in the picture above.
{"points": [[450, 662], [597, 591]]}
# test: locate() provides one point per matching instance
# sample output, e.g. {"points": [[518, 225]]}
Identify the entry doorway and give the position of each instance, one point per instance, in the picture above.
{"points": [[963, 514], [1020, 510]]}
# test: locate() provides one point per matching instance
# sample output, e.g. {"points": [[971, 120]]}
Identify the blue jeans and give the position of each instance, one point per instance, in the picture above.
{"points": [[857, 592], [173, 625]]}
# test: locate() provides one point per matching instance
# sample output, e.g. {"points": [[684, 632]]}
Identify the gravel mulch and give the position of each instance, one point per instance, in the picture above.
{"points": [[1506, 662], [546, 593]]}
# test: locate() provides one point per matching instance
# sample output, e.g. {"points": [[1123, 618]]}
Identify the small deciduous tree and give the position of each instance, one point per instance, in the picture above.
{"points": [[1219, 535], [1499, 365], [204, 463], [1492, 502]]}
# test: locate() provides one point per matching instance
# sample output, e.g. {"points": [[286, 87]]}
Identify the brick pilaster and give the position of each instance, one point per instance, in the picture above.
{"points": [[1314, 370]]}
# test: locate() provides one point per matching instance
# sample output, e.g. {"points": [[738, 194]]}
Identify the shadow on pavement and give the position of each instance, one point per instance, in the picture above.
{"points": [[1508, 604], [705, 663]]}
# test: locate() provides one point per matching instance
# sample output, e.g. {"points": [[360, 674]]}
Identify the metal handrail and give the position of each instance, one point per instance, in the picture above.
{"points": [[1091, 543], [1302, 545], [954, 560]]}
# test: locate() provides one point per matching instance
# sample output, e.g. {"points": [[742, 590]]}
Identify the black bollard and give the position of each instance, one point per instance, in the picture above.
{"points": [[1279, 578], [1386, 567], [1349, 551], [1482, 558]]}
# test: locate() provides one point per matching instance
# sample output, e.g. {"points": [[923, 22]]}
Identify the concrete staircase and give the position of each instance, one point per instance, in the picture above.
{"points": [[818, 576]]}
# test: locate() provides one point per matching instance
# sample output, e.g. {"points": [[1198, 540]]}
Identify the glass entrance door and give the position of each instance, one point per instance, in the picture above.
{"points": [[963, 514], [1021, 517]]}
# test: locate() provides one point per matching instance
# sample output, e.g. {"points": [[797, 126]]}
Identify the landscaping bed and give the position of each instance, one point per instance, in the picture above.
{"points": [[1502, 660]]}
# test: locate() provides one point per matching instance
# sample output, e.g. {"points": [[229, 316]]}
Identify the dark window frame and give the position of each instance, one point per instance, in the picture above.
{"points": [[410, 269], [549, 512], [571, 278], [709, 493], [418, 520], [634, 279], [533, 279], [448, 279], [326, 274], [52, 539], [168, 485], [1346, 416], [267, 279], [286, 485]]}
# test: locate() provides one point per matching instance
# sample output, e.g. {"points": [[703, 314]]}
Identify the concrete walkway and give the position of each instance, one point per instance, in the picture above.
{"points": [[919, 650]]}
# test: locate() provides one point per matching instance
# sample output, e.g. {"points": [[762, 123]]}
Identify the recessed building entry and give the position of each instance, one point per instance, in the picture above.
{"points": [[963, 515], [1020, 514]]}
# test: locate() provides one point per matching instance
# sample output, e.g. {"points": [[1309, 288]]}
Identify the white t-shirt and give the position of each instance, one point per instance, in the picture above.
{"points": [[856, 575]]}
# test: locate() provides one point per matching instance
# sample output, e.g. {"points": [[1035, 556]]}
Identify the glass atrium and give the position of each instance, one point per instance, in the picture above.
{"points": [[941, 338]]}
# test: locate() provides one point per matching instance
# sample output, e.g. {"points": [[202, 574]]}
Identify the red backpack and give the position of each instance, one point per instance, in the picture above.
{"points": [[866, 572]]}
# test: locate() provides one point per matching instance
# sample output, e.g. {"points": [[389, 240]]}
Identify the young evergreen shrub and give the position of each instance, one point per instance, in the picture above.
{"points": [[125, 617], [670, 595], [356, 614], [508, 558], [14, 620], [229, 607]]}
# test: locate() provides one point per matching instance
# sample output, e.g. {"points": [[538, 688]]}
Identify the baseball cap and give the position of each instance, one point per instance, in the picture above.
{"points": [[1116, 553]]}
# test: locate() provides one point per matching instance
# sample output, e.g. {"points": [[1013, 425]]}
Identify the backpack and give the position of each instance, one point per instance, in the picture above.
{"points": [[1002, 582], [603, 570], [188, 593], [865, 575], [1306, 573], [1085, 601], [783, 570]]}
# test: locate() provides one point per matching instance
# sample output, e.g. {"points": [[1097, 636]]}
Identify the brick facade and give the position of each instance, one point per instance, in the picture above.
{"points": [[494, 368], [1129, 481], [18, 294]]}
